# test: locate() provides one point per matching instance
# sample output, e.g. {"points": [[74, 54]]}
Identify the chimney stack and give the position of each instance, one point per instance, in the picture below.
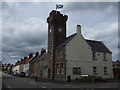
{"points": [[25, 58], [30, 55], [21, 59], [78, 29], [43, 51], [37, 53]]}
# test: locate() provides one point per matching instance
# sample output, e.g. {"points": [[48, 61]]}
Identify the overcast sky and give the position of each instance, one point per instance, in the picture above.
{"points": [[24, 25]]}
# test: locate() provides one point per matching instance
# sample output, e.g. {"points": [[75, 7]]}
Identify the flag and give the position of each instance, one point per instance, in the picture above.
{"points": [[58, 6]]}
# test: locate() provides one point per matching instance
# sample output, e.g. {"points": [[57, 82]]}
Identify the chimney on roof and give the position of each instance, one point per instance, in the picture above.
{"points": [[43, 51], [25, 58], [37, 53], [78, 29], [30, 55]]}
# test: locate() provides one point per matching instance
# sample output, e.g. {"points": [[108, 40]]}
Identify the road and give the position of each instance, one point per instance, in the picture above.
{"points": [[12, 82]]}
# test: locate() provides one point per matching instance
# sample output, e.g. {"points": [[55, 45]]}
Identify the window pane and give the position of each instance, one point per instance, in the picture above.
{"points": [[94, 55], [76, 70]]}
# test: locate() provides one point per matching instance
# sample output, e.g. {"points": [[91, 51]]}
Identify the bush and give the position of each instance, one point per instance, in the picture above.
{"points": [[89, 78]]}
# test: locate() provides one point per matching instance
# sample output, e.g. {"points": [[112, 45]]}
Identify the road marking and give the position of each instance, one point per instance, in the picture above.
{"points": [[23, 80], [43, 87], [33, 83], [7, 85], [72, 86], [105, 87]]}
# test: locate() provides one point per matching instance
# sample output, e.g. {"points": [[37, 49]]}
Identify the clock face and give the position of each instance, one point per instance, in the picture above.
{"points": [[60, 30]]}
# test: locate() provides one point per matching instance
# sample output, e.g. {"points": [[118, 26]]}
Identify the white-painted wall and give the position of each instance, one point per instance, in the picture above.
{"points": [[16, 68], [100, 63], [79, 54], [26, 68]]}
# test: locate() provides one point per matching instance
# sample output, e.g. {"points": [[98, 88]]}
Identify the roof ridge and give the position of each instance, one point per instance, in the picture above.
{"points": [[93, 40], [67, 40], [71, 35]]}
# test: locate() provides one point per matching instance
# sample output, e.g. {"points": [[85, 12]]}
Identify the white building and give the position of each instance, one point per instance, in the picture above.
{"points": [[87, 57], [26, 66], [16, 68]]}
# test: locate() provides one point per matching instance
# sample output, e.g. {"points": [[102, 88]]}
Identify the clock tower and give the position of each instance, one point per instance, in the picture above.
{"points": [[56, 35]]}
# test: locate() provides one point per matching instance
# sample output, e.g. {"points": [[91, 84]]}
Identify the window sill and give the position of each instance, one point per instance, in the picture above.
{"points": [[105, 60], [105, 73], [95, 73], [76, 74]]}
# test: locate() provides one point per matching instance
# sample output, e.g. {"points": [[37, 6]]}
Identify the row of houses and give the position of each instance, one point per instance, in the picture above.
{"points": [[7, 67], [37, 65], [33, 65]]}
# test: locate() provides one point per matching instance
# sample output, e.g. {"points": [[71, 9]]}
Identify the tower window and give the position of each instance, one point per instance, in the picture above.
{"points": [[61, 68], [60, 54], [57, 69]]}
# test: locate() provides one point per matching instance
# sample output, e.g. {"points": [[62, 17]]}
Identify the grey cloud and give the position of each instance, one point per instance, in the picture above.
{"points": [[108, 33], [8, 9], [22, 38], [75, 6], [92, 11]]}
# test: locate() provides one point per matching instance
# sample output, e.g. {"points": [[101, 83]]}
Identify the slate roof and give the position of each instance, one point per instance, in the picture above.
{"points": [[40, 57], [96, 46], [23, 61], [30, 59], [67, 40], [34, 59]]}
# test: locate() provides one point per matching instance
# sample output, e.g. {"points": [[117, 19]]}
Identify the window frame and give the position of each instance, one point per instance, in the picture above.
{"points": [[61, 68], [76, 70], [104, 56], [105, 71], [57, 69], [94, 70], [94, 55]]}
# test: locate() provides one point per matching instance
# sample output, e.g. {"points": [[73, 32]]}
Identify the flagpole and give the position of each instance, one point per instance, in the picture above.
{"points": [[56, 8]]}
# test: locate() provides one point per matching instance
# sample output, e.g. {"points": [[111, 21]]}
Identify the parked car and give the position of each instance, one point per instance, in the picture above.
{"points": [[15, 74], [22, 74], [12, 73], [8, 72]]}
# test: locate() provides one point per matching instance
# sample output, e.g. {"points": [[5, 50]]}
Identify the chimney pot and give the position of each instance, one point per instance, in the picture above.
{"points": [[43, 51]]}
